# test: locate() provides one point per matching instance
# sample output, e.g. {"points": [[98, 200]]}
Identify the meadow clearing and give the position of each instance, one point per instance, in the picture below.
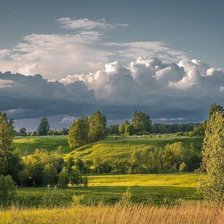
{"points": [[109, 189]]}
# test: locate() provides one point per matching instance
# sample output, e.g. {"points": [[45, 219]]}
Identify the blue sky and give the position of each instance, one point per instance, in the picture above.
{"points": [[193, 26], [165, 57]]}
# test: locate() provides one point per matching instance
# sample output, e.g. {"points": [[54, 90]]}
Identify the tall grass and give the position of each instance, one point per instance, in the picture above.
{"points": [[185, 213]]}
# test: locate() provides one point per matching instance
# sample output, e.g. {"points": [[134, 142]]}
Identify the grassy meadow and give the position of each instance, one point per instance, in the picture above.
{"points": [[27, 145], [109, 189]]}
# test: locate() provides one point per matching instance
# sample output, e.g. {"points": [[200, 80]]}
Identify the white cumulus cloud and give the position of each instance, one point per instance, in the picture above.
{"points": [[87, 24]]}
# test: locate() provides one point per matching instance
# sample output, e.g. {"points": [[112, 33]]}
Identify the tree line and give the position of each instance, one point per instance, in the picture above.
{"points": [[42, 130], [139, 124]]}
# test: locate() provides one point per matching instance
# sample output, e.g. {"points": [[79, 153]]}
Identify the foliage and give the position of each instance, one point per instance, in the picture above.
{"points": [[43, 127], [9, 161], [56, 132], [77, 199], [126, 128], [97, 126], [199, 130], [22, 132], [141, 122], [7, 188], [87, 129], [215, 108], [78, 133], [43, 168], [174, 155], [213, 158], [160, 128], [183, 167], [113, 129]]}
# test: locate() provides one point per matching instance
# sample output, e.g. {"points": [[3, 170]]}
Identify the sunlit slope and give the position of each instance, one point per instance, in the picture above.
{"points": [[121, 148], [27, 145]]}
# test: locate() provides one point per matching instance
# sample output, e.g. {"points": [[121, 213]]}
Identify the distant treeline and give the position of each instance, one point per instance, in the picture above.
{"points": [[159, 128], [139, 124]]}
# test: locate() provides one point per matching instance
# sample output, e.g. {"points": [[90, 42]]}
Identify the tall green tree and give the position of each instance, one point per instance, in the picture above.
{"points": [[126, 128], [174, 155], [22, 132], [97, 126], [9, 161], [43, 127], [141, 122], [78, 133], [215, 108], [212, 186]]}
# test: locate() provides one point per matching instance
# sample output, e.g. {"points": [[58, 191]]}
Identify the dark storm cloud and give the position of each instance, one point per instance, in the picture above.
{"points": [[167, 91]]}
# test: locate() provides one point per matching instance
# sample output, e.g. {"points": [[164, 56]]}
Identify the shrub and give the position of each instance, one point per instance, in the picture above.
{"points": [[7, 188]]}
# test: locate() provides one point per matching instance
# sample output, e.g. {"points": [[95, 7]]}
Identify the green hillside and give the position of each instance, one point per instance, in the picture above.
{"points": [[121, 148], [27, 145], [112, 148]]}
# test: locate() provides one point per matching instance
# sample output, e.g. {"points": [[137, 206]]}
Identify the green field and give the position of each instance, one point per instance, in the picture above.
{"points": [[27, 145], [144, 188]]}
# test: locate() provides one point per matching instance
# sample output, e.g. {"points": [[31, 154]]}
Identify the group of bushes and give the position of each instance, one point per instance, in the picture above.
{"points": [[43, 168], [7, 189]]}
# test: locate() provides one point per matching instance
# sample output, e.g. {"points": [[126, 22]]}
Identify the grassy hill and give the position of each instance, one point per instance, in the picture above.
{"points": [[27, 145], [111, 148], [121, 148]]}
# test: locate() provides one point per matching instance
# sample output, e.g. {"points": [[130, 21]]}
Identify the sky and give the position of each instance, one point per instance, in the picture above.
{"points": [[64, 59]]}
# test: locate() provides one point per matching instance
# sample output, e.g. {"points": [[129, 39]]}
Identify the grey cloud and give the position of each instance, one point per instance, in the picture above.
{"points": [[166, 90], [33, 96]]}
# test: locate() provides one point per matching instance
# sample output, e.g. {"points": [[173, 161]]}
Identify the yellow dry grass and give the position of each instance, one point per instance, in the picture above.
{"points": [[186, 213]]}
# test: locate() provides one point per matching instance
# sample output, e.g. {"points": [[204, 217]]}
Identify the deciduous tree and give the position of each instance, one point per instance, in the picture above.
{"points": [[141, 122], [97, 126], [43, 127], [78, 133], [212, 186], [9, 161]]}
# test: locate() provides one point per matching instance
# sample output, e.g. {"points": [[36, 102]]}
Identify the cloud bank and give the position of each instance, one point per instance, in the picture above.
{"points": [[82, 71], [182, 90]]}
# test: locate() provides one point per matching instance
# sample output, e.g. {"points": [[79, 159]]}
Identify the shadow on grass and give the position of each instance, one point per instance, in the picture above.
{"points": [[37, 197]]}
